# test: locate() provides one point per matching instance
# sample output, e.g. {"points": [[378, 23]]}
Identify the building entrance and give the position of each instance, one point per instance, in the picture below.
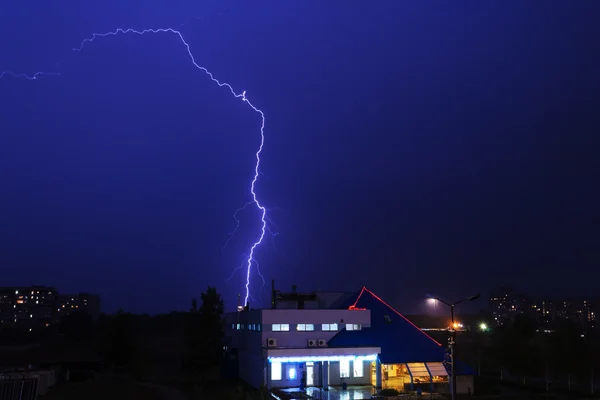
{"points": [[310, 374]]}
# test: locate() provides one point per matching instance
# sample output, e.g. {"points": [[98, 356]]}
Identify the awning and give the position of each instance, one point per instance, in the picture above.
{"points": [[323, 354], [427, 370], [418, 370], [437, 369]]}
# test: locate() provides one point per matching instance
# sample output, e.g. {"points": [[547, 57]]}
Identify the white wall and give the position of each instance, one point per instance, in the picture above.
{"points": [[299, 339]]}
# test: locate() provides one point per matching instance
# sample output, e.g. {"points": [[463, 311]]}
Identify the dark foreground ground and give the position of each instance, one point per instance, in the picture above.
{"points": [[112, 388]]}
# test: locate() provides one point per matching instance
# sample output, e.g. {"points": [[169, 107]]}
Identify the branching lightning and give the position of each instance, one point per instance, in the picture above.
{"points": [[251, 256], [237, 223], [25, 76]]}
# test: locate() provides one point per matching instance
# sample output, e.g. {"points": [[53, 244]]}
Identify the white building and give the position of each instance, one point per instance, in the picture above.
{"points": [[326, 339]]}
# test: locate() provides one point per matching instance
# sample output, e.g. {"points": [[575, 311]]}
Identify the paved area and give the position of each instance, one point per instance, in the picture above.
{"points": [[353, 393]]}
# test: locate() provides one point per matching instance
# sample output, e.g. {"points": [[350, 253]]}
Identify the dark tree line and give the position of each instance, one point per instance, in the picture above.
{"points": [[524, 348], [120, 338], [204, 329]]}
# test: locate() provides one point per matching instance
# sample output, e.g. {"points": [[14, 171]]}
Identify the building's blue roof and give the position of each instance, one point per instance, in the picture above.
{"points": [[400, 340]]}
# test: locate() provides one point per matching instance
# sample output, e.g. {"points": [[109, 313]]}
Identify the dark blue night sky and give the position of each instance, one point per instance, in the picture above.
{"points": [[413, 147]]}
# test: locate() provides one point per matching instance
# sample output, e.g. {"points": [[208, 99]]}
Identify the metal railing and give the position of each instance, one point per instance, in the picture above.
{"points": [[19, 388]]}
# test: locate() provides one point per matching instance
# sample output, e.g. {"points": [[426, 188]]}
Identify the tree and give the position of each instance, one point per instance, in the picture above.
{"points": [[212, 303], [516, 347], [204, 329], [194, 308], [120, 339], [77, 326], [211, 313], [567, 350]]}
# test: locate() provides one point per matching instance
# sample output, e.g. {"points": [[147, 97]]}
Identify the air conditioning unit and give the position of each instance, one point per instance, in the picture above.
{"points": [[312, 343], [271, 342], [322, 343]]}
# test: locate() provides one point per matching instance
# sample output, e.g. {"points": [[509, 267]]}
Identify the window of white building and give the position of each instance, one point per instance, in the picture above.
{"points": [[305, 327], [276, 371], [291, 373], [359, 370], [280, 327], [344, 368], [329, 327], [353, 327]]}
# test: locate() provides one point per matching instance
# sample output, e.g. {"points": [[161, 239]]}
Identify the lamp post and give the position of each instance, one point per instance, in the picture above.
{"points": [[452, 341]]}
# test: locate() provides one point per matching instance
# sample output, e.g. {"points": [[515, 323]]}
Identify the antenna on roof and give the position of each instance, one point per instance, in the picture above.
{"points": [[239, 304], [273, 295]]}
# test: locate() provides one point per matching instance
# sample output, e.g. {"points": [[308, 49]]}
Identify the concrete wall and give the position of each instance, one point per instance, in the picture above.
{"points": [[252, 368], [463, 383], [245, 338]]}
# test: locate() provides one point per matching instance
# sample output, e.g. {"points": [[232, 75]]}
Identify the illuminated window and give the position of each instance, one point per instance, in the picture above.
{"points": [[305, 327], [344, 368], [280, 327], [291, 373], [353, 327], [329, 327], [359, 371], [276, 371]]}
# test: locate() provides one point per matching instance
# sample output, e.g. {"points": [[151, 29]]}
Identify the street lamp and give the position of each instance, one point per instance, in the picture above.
{"points": [[433, 303], [453, 338]]}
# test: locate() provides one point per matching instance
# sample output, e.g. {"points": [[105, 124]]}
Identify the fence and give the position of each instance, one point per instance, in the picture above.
{"points": [[19, 388], [576, 384]]}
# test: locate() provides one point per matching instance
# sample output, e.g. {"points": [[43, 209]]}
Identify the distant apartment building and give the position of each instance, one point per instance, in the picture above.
{"points": [[40, 307], [67, 303], [506, 304], [27, 308]]}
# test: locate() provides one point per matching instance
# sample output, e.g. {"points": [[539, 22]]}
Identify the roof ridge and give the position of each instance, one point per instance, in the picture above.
{"points": [[364, 288]]}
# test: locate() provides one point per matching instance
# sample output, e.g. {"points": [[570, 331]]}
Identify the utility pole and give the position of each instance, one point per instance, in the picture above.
{"points": [[452, 357], [452, 342]]}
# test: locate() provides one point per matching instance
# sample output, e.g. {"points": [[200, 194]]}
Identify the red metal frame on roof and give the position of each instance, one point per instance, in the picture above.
{"points": [[364, 289]]}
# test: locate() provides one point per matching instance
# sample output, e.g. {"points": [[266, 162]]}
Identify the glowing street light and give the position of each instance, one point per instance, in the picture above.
{"points": [[483, 327], [454, 327]]}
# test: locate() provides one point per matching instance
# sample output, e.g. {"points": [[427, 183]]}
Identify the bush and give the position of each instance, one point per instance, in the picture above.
{"points": [[389, 392]]}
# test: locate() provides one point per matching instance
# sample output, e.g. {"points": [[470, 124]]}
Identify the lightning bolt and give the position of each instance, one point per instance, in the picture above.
{"points": [[237, 225], [250, 260], [263, 211], [25, 76]]}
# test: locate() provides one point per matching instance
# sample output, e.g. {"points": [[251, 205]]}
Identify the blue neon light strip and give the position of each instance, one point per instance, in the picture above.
{"points": [[371, 357]]}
